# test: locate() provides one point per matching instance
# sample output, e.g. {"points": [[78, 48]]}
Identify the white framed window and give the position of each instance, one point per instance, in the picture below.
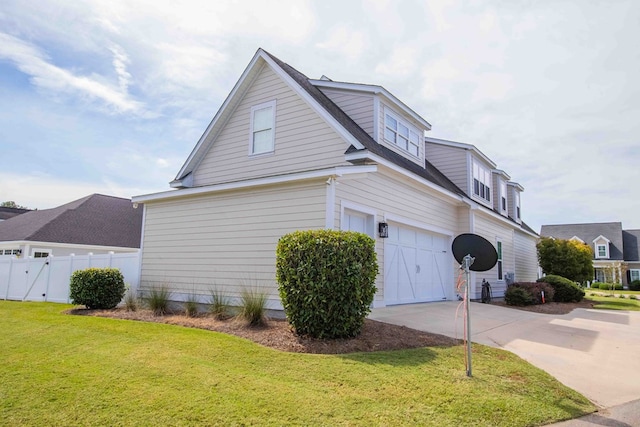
{"points": [[481, 181], [357, 218], [10, 252], [503, 197], [517, 205], [263, 123], [601, 250], [499, 263], [634, 275], [41, 253], [401, 133]]}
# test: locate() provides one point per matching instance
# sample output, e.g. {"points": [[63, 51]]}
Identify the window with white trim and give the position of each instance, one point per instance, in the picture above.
{"points": [[499, 264], [481, 181], [262, 128], [517, 205], [503, 197], [602, 250], [41, 253], [10, 252], [634, 275], [401, 133]]}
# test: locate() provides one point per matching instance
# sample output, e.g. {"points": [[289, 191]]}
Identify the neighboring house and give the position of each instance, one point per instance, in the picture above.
{"points": [[286, 153], [95, 224], [6, 212], [615, 251]]}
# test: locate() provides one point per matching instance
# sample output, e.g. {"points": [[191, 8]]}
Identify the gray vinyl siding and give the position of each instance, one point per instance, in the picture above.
{"points": [[451, 161], [357, 106], [526, 256], [390, 194], [227, 240], [494, 230], [300, 133]]}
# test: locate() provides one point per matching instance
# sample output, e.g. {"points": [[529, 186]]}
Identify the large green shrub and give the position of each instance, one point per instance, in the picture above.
{"points": [[326, 281], [635, 285], [565, 289], [101, 288], [518, 296], [534, 289]]}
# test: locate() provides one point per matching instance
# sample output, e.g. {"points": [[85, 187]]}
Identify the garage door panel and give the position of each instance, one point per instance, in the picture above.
{"points": [[415, 266]]}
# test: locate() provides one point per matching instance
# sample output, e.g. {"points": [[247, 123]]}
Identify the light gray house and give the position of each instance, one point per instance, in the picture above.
{"points": [[285, 153], [616, 251], [95, 224]]}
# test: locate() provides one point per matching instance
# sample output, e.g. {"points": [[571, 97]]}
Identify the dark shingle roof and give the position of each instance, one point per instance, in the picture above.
{"points": [[588, 233], [6, 212], [631, 244], [93, 220], [429, 173]]}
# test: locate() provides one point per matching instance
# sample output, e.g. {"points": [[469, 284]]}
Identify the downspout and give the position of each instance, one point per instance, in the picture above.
{"points": [[330, 203]]}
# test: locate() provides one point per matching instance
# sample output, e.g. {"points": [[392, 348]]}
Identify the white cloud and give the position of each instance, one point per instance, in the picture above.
{"points": [[401, 63], [344, 41], [35, 63]]}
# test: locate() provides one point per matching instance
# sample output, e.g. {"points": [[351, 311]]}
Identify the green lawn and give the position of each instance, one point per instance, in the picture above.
{"points": [[59, 369], [614, 302]]}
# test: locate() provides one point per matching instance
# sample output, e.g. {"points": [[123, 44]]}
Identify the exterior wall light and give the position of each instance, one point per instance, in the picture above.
{"points": [[383, 230]]}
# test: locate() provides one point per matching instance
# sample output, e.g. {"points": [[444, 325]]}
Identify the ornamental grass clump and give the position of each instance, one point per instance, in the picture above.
{"points": [[158, 300], [97, 288], [253, 306], [219, 304], [326, 280], [191, 306], [131, 301]]}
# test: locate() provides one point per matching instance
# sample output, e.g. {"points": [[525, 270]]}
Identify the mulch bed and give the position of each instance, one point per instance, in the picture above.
{"points": [[278, 334]]}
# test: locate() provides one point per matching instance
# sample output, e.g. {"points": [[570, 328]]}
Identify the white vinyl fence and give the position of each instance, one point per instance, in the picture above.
{"points": [[47, 279]]}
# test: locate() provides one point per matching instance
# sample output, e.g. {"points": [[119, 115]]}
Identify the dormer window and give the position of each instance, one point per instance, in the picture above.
{"points": [[503, 197], [517, 205], [401, 134], [481, 181], [601, 246]]}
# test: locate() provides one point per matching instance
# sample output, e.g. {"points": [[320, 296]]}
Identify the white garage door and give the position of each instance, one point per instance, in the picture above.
{"points": [[417, 266]]}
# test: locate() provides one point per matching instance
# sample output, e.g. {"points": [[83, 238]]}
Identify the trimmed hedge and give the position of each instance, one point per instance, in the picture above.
{"points": [[532, 289], [565, 289], [101, 288], [326, 280], [610, 286], [635, 285]]}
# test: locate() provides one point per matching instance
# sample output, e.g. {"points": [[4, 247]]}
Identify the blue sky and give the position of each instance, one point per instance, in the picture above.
{"points": [[111, 96]]}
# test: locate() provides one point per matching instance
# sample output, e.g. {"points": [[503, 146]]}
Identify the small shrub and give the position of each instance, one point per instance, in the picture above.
{"points": [[518, 296], [622, 296], [191, 306], [535, 290], [158, 300], [131, 301], [595, 285], [326, 280], [565, 289], [633, 297], [218, 304], [101, 288], [635, 285], [610, 286]]}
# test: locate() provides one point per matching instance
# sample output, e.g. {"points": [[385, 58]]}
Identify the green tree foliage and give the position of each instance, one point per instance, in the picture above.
{"points": [[567, 258], [11, 204], [326, 280]]}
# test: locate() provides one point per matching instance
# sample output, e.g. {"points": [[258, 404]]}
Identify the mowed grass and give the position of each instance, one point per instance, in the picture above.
{"points": [[614, 303], [58, 369]]}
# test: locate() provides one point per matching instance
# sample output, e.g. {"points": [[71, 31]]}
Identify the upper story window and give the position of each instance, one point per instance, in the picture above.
{"points": [[517, 205], [601, 246], [481, 181], [262, 128], [503, 197], [402, 134], [601, 251]]}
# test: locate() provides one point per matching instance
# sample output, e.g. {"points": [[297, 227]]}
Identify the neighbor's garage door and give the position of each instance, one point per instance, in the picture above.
{"points": [[417, 266]]}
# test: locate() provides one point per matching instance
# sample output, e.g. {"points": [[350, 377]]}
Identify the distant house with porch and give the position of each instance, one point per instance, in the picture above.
{"points": [[616, 251]]}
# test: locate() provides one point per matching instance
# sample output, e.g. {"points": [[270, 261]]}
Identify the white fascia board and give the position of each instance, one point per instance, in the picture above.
{"points": [[515, 185], [601, 237], [375, 90], [501, 173], [463, 146], [403, 171], [503, 219], [279, 179], [312, 102], [69, 246], [188, 165]]}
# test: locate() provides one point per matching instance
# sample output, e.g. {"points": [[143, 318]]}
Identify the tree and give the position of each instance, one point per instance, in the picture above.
{"points": [[567, 258], [11, 204]]}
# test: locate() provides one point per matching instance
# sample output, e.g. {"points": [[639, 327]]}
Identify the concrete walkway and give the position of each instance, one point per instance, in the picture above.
{"points": [[592, 351]]}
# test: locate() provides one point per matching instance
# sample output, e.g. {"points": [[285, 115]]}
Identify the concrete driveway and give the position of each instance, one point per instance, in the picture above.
{"points": [[595, 352]]}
